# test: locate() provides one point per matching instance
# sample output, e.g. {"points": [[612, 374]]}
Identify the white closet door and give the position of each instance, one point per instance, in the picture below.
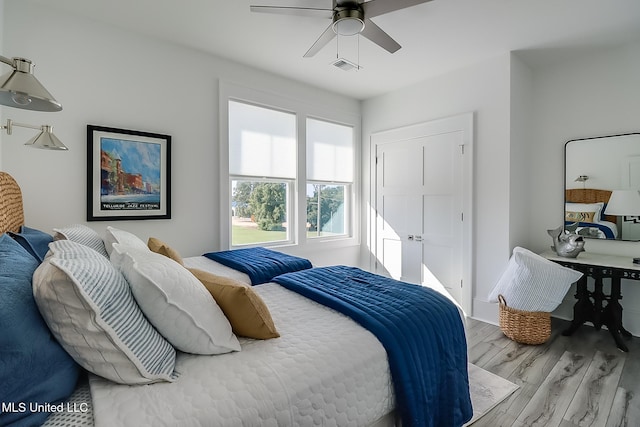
{"points": [[420, 203]]}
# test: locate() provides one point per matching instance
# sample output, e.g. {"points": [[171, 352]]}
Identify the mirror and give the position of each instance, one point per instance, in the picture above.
{"points": [[594, 168]]}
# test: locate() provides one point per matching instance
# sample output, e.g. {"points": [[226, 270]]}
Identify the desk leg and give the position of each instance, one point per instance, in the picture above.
{"points": [[583, 310], [598, 298], [612, 315]]}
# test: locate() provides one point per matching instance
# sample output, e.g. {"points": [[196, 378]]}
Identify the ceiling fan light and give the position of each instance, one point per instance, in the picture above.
{"points": [[348, 22], [348, 26]]}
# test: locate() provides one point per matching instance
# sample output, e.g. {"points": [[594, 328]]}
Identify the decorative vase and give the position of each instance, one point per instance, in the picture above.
{"points": [[566, 243]]}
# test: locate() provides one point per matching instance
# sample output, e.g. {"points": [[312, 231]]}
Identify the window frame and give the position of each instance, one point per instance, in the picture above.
{"points": [[298, 210]]}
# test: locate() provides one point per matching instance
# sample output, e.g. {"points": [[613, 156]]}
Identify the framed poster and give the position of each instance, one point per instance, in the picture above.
{"points": [[128, 174]]}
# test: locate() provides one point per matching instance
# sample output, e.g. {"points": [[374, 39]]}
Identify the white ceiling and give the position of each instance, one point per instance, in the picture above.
{"points": [[436, 37]]}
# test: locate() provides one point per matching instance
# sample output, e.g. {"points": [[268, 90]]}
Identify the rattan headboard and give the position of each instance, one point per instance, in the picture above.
{"points": [[11, 211], [589, 195]]}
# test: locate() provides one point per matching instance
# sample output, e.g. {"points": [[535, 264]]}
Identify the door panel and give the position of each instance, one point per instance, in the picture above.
{"points": [[402, 167], [400, 210], [441, 155]]}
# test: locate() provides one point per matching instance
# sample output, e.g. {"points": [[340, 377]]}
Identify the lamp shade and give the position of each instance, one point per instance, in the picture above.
{"points": [[624, 203], [20, 89], [46, 140]]}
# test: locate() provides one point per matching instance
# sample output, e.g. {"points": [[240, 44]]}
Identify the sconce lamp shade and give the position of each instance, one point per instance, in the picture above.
{"points": [[46, 140], [20, 88], [624, 203]]}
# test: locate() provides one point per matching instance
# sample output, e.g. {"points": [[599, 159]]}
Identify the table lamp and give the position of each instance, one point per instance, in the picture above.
{"points": [[625, 204]]}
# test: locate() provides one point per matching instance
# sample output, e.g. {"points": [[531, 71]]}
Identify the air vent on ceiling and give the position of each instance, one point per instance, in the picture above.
{"points": [[345, 64]]}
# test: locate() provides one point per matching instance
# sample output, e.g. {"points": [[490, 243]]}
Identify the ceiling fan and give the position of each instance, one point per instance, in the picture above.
{"points": [[349, 17]]}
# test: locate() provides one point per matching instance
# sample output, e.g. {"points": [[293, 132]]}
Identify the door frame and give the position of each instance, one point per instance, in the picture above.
{"points": [[459, 123]]}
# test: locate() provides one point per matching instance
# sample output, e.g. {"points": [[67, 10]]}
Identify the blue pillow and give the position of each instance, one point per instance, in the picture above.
{"points": [[34, 368], [36, 242]]}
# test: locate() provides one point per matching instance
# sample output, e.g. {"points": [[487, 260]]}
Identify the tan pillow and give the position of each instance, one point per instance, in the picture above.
{"points": [[160, 247], [247, 313], [580, 216]]}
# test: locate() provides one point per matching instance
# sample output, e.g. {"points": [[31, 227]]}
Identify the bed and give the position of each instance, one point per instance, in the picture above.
{"points": [[584, 213], [321, 367]]}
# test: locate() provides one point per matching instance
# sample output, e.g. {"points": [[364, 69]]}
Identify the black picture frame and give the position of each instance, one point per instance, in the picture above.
{"points": [[128, 174]]}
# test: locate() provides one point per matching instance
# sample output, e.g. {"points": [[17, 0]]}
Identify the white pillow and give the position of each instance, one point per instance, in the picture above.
{"points": [[533, 283], [175, 302], [81, 234], [89, 308], [115, 235], [586, 207]]}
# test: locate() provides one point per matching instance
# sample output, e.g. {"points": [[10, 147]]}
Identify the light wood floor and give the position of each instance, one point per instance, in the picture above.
{"points": [[582, 380]]}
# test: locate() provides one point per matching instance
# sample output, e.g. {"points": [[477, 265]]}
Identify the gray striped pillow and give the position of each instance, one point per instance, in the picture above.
{"points": [[89, 307], [68, 249], [82, 234]]}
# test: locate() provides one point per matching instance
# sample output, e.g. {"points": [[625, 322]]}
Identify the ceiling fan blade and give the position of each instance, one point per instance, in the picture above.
{"points": [[374, 8], [322, 41], [379, 37], [311, 12]]}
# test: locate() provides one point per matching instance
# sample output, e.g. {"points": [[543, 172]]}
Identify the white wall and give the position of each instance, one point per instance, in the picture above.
{"points": [[107, 76], [521, 142], [484, 90], [590, 96]]}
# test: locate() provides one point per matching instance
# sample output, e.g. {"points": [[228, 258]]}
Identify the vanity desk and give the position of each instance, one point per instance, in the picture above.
{"points": [[595, 306]]}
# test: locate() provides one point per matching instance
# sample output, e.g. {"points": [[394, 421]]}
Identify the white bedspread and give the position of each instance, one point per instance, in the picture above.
{"points": [[323, 370]]}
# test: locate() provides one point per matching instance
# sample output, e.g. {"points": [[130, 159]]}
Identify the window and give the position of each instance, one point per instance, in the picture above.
{"points": [[262, 169], [288, 171], [329, 178], [326, 210]]}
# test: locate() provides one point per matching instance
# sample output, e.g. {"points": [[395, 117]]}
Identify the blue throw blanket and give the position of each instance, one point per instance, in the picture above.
{"points": [[420, 329], [260, 264]]}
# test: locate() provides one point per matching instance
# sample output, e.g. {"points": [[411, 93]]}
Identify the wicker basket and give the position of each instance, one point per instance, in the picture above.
{"points": [[526, 327]]}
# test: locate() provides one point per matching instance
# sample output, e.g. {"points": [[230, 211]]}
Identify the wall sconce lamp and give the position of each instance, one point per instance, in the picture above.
{"points": [[45, 139], [583, 179], [20, 89]]}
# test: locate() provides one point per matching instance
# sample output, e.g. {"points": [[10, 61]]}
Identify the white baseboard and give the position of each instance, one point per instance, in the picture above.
{"points": [[485, 311]]}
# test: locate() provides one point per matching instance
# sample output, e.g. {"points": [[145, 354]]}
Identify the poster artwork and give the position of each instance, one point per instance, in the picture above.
{"points": [[130, 175]]}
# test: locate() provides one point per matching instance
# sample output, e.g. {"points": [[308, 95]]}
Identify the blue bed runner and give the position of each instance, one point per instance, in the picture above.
{"points": [[260, 264], [420, 329]]}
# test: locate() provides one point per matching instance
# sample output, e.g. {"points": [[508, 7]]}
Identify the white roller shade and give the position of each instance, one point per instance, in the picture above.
{"points": [[329, 151], [262, 141]]}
